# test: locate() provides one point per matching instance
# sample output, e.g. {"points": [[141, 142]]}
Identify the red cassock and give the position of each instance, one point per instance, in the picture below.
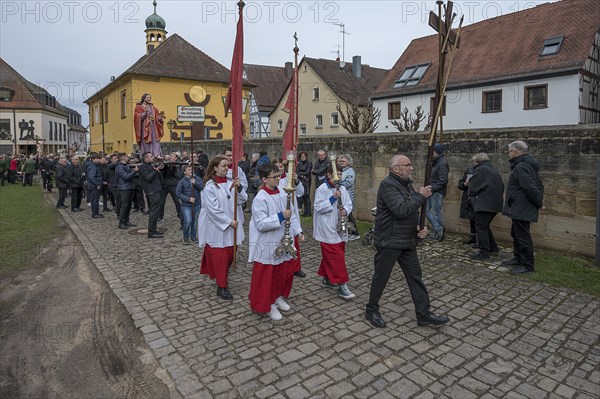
{"points": [[269, 282], [333, 263], [215, 263], [143, 128]]}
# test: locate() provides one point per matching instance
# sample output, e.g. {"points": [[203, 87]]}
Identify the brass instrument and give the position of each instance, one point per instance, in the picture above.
{"points": [[287, 241]]}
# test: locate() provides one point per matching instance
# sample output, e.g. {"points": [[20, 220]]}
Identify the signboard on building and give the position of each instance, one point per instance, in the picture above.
{"points": [[186, 113]]}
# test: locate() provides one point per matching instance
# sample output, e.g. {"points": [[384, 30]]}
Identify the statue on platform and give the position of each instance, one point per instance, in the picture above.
{"points": [[148, 124]]}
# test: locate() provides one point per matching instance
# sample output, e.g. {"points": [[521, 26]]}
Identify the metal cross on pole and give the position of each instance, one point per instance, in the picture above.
{"points": [[449, 41]]}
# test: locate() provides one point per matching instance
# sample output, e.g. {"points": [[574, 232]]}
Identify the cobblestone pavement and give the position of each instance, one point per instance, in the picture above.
{"points": [[507, 338]]}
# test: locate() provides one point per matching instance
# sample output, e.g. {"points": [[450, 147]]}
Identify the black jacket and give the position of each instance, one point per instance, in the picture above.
{"points": [[304, 170], [93, 175], [112, 175], [62, 176], [75, 176], [125, 177], [439, 175], [150, 178], [524, 191], [486, 188], [397, 214], [320, 167], [171, 174], [466, 210]]}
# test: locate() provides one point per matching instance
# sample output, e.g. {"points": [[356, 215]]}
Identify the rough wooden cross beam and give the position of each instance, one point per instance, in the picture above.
{"points": [[434, 22]]}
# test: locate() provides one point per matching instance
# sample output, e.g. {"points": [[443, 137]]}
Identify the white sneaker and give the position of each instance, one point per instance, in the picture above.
{"points": [[274, 313], [353, 237], [282, 304], [344, 291]]}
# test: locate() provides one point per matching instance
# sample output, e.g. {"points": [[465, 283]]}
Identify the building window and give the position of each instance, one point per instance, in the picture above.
{"points": [[536, 97], [106, 111], [319, 121], [55, 131], [432, 108], [96, 114], [394, 110], [551, 46], [279, 125], [50, 133], [334, 119], [315, 92], [123, 104], [303, 129], [411, 75], [6, 94], [492, 101], [5, 129]]}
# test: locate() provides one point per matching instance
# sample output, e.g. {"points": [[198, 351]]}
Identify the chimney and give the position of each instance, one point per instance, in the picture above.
{"points": [[289, 70], [356, 66]]}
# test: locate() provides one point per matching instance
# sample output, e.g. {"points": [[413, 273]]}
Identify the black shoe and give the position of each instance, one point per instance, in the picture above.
{"points": [[155, 235], [510, 262], [300, 274], [98, 216], [123, 226], [129, 224], [375, 319], [107, 210], [77, 210], [472, 239], [225, 294], [520, 269], [495, 252], [135, 210], [479, 256], [433, 319], [476, 245]]}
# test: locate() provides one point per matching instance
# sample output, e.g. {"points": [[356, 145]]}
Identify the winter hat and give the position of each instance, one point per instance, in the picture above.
{"points": [[438, 148]]}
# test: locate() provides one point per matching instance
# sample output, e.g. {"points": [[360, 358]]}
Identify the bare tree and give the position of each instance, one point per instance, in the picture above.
{"points": [[410, 123], [359, 119]]}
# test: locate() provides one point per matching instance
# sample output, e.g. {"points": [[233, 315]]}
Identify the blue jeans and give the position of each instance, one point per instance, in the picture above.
{"points": [[190, 224], [434, 212]]}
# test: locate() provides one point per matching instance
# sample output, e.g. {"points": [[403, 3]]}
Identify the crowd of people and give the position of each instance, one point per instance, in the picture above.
{"points": [[211, 200]]}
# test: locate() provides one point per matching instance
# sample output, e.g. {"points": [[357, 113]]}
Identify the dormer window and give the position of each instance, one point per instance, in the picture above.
{"points": [[6, 94], [551, 46], [411, 75]]}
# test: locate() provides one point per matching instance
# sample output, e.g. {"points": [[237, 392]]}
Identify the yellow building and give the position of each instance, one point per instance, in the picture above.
{"points": [[323, 84], [176, 74]]}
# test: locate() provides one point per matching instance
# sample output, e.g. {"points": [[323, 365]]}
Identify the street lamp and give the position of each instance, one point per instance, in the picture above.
{"points": [[171, 125]]}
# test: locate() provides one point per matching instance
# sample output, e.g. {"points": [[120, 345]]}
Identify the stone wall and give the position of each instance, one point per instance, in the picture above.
{"points": [[568, 157]]}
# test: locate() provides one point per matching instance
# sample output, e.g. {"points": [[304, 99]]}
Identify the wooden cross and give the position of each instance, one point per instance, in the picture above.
{"points": [[446, 27]]}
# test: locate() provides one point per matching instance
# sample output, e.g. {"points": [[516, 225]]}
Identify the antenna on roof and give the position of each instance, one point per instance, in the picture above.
{"points": [[337, 52], [344, 33]]}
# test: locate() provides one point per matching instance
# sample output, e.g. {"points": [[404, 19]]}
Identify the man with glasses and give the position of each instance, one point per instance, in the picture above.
{"points": [[396, 237], [524, 199]]}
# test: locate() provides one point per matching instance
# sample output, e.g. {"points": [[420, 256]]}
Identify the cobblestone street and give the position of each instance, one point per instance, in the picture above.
{"points": [[507, 338]]}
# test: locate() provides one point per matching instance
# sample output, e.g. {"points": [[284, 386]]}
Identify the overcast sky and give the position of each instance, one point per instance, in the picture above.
{"points": [[72, 48]]}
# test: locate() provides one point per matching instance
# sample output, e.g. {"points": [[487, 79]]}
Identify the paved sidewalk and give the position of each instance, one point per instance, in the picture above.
{"points": [[507, 338]]}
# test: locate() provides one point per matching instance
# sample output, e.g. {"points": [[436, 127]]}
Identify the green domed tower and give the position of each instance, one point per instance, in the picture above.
{"points": [[155, 30]]}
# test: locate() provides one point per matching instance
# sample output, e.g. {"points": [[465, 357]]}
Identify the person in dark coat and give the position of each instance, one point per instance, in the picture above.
{"points": [[486, 190], [396, 237], [439, 184], [524, 199], [112, 183], [94, 185], [62, 182], [466, 210], [75, 178], [304, 172], [151, 179], [320, 167], [105, 189], [170, 176], [125, 175]]}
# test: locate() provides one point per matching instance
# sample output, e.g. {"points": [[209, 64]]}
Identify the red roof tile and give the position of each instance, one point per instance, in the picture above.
{"points": [[270, 81], [506, 47]]}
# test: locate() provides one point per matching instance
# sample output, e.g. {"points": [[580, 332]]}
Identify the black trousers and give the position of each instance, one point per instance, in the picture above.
{"points": [[117, 197], [12, 176], [523, 244], [166, 190], [2, 177], [126, 197], [28, 179], [155, 205], [485, 237], [62, 195], [104, 190], [385, 259], [139, 202], [76, 197]]}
